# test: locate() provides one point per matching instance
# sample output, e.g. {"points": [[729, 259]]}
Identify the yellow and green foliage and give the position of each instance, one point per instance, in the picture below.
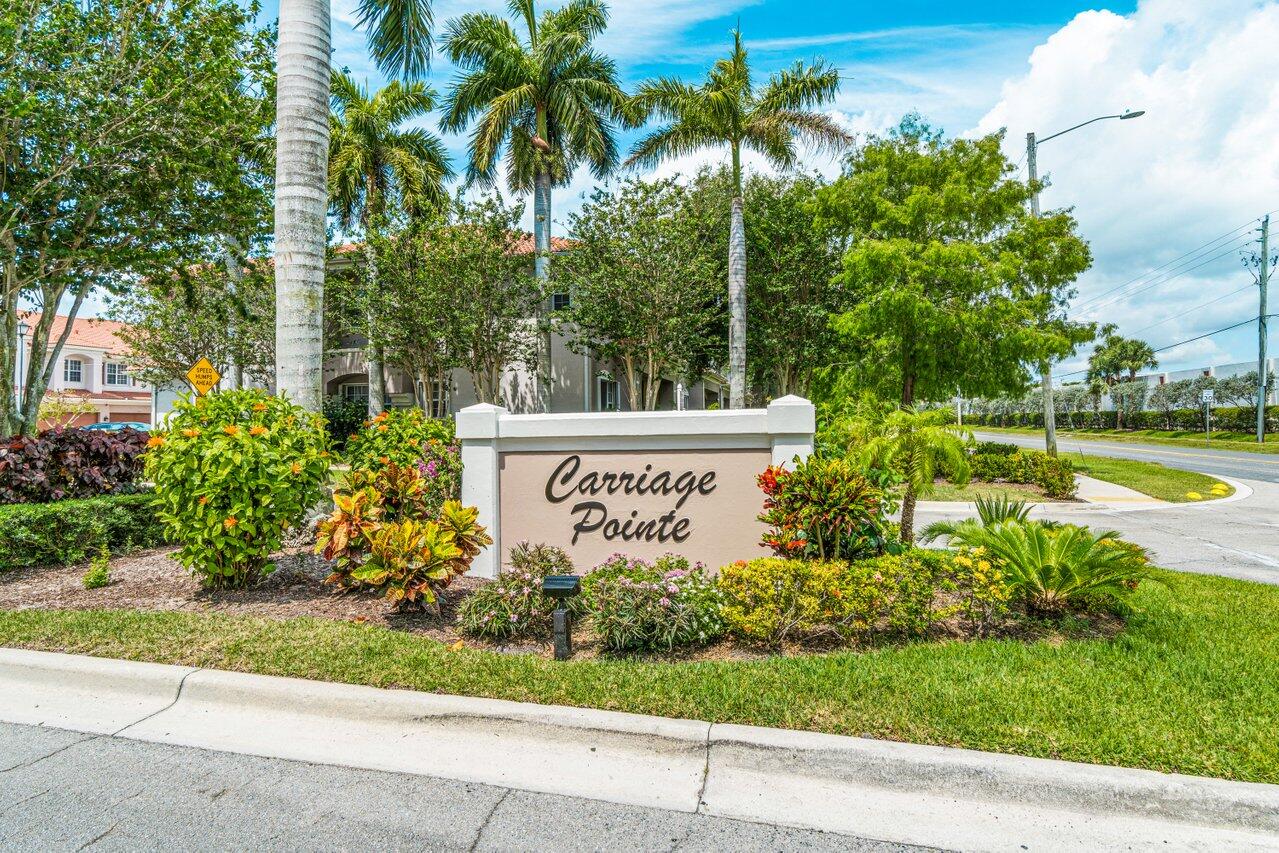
{"points": [[824, 509], [385, 534], [233, 471], [397, 436]]}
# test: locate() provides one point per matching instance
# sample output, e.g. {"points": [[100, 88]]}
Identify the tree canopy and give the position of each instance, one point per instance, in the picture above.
{"points": [[1117, 357]]}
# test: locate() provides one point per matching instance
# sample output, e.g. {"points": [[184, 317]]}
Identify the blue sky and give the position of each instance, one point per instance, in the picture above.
{"points": [[1202, 161]]}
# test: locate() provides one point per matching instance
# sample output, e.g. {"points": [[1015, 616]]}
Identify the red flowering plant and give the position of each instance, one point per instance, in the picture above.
{"points": [[824, 509]]}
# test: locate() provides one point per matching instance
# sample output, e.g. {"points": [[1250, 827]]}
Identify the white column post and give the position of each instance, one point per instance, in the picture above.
{"points": [[477, 429], [791, 423]]}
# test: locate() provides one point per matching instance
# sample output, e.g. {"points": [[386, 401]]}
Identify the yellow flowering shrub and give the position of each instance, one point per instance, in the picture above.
{"points": [[232, 472]]}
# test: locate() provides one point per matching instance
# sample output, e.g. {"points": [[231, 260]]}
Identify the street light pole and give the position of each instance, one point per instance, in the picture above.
{"points": [[1045, 366], [1262, 374]]}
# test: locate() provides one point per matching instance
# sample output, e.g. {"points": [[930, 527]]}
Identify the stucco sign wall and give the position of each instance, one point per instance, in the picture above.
{"points": [[643, 483]]}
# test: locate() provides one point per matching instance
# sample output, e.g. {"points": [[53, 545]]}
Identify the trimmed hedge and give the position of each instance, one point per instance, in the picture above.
{"points": [[66, 532], [1225, 418], [70, 463]]}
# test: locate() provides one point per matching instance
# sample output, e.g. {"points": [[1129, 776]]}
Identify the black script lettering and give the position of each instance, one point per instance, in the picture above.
{"points": [[706, 485], [681, 530], [584, 524], [572, 463]]}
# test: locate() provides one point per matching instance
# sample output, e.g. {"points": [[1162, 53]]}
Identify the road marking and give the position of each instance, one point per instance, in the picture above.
{"points": [[1260, 558]]}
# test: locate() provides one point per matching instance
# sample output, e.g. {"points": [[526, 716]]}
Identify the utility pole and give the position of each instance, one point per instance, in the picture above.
{"points": [[1262, 373], [1045, 366]]}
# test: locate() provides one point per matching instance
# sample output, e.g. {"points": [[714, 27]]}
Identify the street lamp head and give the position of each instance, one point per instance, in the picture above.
{"points": [[23, 328], [1132, 114]]}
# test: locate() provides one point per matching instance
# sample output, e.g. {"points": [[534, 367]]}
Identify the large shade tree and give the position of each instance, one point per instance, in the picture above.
{"points": [[545, 99], [399, 35], [378, 168], [727, 109]]}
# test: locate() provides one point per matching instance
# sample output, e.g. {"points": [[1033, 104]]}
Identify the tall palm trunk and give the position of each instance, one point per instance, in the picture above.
{"points": [[301, 198], [542, 267], [737, 307], [376, 375]]}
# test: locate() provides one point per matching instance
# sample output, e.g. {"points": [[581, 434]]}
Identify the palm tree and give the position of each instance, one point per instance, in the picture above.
{"points": [[918, 445], [399, 33], [374, 166], [550, 99], [727, 110]]}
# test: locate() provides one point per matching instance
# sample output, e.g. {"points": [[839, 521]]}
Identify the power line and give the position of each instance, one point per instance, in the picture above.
{"points": [[1192, 310], [1242, 241], [1183, 343]]}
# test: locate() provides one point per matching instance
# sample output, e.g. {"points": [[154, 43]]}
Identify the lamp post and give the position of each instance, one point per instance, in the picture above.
{"points": [[1045, 367], [20, 368]]}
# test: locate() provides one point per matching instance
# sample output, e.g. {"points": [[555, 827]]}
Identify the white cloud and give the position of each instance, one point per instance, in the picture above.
{"points": [[1201, 161]]}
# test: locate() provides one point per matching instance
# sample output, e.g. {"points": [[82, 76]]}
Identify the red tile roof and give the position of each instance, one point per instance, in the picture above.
{"points": [[102, 395], [89, 332], [523, 246]]}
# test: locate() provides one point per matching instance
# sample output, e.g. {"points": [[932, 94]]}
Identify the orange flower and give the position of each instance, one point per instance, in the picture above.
{"points": [[155, 441], [204, 499], [385, 460], [368, 423], [259, 407], [324, 454], [382, 428], [190, 433], [381, 416], [296, 468], [230, 521], [257, 430], [231, 429]]}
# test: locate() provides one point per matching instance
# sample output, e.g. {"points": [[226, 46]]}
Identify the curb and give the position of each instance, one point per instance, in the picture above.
{"points": [[1242, 492], [899, 792]]}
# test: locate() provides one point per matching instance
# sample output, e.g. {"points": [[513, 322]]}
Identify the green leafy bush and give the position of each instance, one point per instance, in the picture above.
{"points": [[397, 436], [343, 418], [1053, 569], [998, 448], [388, 534], [67, 532], [637, 606], [99, 573], [513, 605], [1056, 476], [70, 463], [822, 509], [232, 472]]}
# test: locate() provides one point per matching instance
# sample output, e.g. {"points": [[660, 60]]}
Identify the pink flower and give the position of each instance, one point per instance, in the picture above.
{"points": [[665, 602]]}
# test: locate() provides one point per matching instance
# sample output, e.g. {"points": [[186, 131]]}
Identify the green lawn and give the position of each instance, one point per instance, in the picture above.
{"points": [[1191, 686], [1221, 440], [943, 491], [1169, 484]]}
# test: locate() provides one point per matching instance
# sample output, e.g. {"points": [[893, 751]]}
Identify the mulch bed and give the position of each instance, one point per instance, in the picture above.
{"points": [[153, 580]]}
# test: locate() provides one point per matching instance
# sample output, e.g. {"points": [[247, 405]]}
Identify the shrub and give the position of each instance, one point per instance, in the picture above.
{"points": [[636, 606], [342, 419], [70, 463], [772, 600], [396, 435], [388, 534], [1054, 475], [233, 471], [512, 605], [441, 471], [99, 573], [67, 532], [822, 509], [996, 448], [1052, 569]]}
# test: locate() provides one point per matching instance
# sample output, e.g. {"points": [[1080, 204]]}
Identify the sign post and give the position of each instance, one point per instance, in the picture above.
{"points": [[1207, 396], [203, 376]]}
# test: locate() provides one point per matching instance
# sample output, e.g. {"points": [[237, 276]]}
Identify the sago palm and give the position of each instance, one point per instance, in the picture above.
{"points": [[919, 445], [728, 110], [376, 165], [399, 35], [544, 99]]}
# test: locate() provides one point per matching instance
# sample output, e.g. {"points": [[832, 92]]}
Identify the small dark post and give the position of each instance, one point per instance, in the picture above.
{"points": [[561, 588]]}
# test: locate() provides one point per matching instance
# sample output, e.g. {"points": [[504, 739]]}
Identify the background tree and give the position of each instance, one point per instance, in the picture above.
{"points": [[124, 129], [945, 267], [173, 321], [456, 293], [1117, 357], [643, 285], [378, 168], [550, 99], [399, 36], [726, 109]]}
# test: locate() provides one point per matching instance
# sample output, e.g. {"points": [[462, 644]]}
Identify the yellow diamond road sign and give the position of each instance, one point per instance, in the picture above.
{"points": [[203, 376]]}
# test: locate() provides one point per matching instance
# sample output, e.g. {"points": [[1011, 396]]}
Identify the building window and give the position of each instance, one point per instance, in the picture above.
{"points": [[72, 370], [560, 301], [610, 395], [116, 374], [356, 393]]}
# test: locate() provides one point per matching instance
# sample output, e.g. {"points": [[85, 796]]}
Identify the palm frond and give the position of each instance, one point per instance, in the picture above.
{"points": [[676, 140], [399, 34], [800, 88]]}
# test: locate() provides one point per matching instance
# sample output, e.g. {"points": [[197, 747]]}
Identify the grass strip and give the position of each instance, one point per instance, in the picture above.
{"points": [[1245, 442], [1150, 478]]}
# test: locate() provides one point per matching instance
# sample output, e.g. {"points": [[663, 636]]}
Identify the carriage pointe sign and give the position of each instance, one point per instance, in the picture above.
{"points": [[642, 484]]}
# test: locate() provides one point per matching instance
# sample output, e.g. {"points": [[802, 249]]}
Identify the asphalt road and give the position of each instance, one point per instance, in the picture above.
{"points": [[62, 790], [1239, 539], [1222, 463]]}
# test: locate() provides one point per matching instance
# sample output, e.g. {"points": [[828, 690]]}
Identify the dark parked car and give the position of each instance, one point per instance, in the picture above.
{"points": [[116, 426]]}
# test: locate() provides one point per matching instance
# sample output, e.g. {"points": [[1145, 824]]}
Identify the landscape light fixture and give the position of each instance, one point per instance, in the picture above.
{"points": [[562, 588]]}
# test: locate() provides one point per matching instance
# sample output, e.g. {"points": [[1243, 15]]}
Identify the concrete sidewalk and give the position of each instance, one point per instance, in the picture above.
{"points": [[1097, 496], [896, 792]]}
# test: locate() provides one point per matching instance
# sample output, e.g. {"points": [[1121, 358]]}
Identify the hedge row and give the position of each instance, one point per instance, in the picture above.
{"points": [[1231, 419], [67, 532]]}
